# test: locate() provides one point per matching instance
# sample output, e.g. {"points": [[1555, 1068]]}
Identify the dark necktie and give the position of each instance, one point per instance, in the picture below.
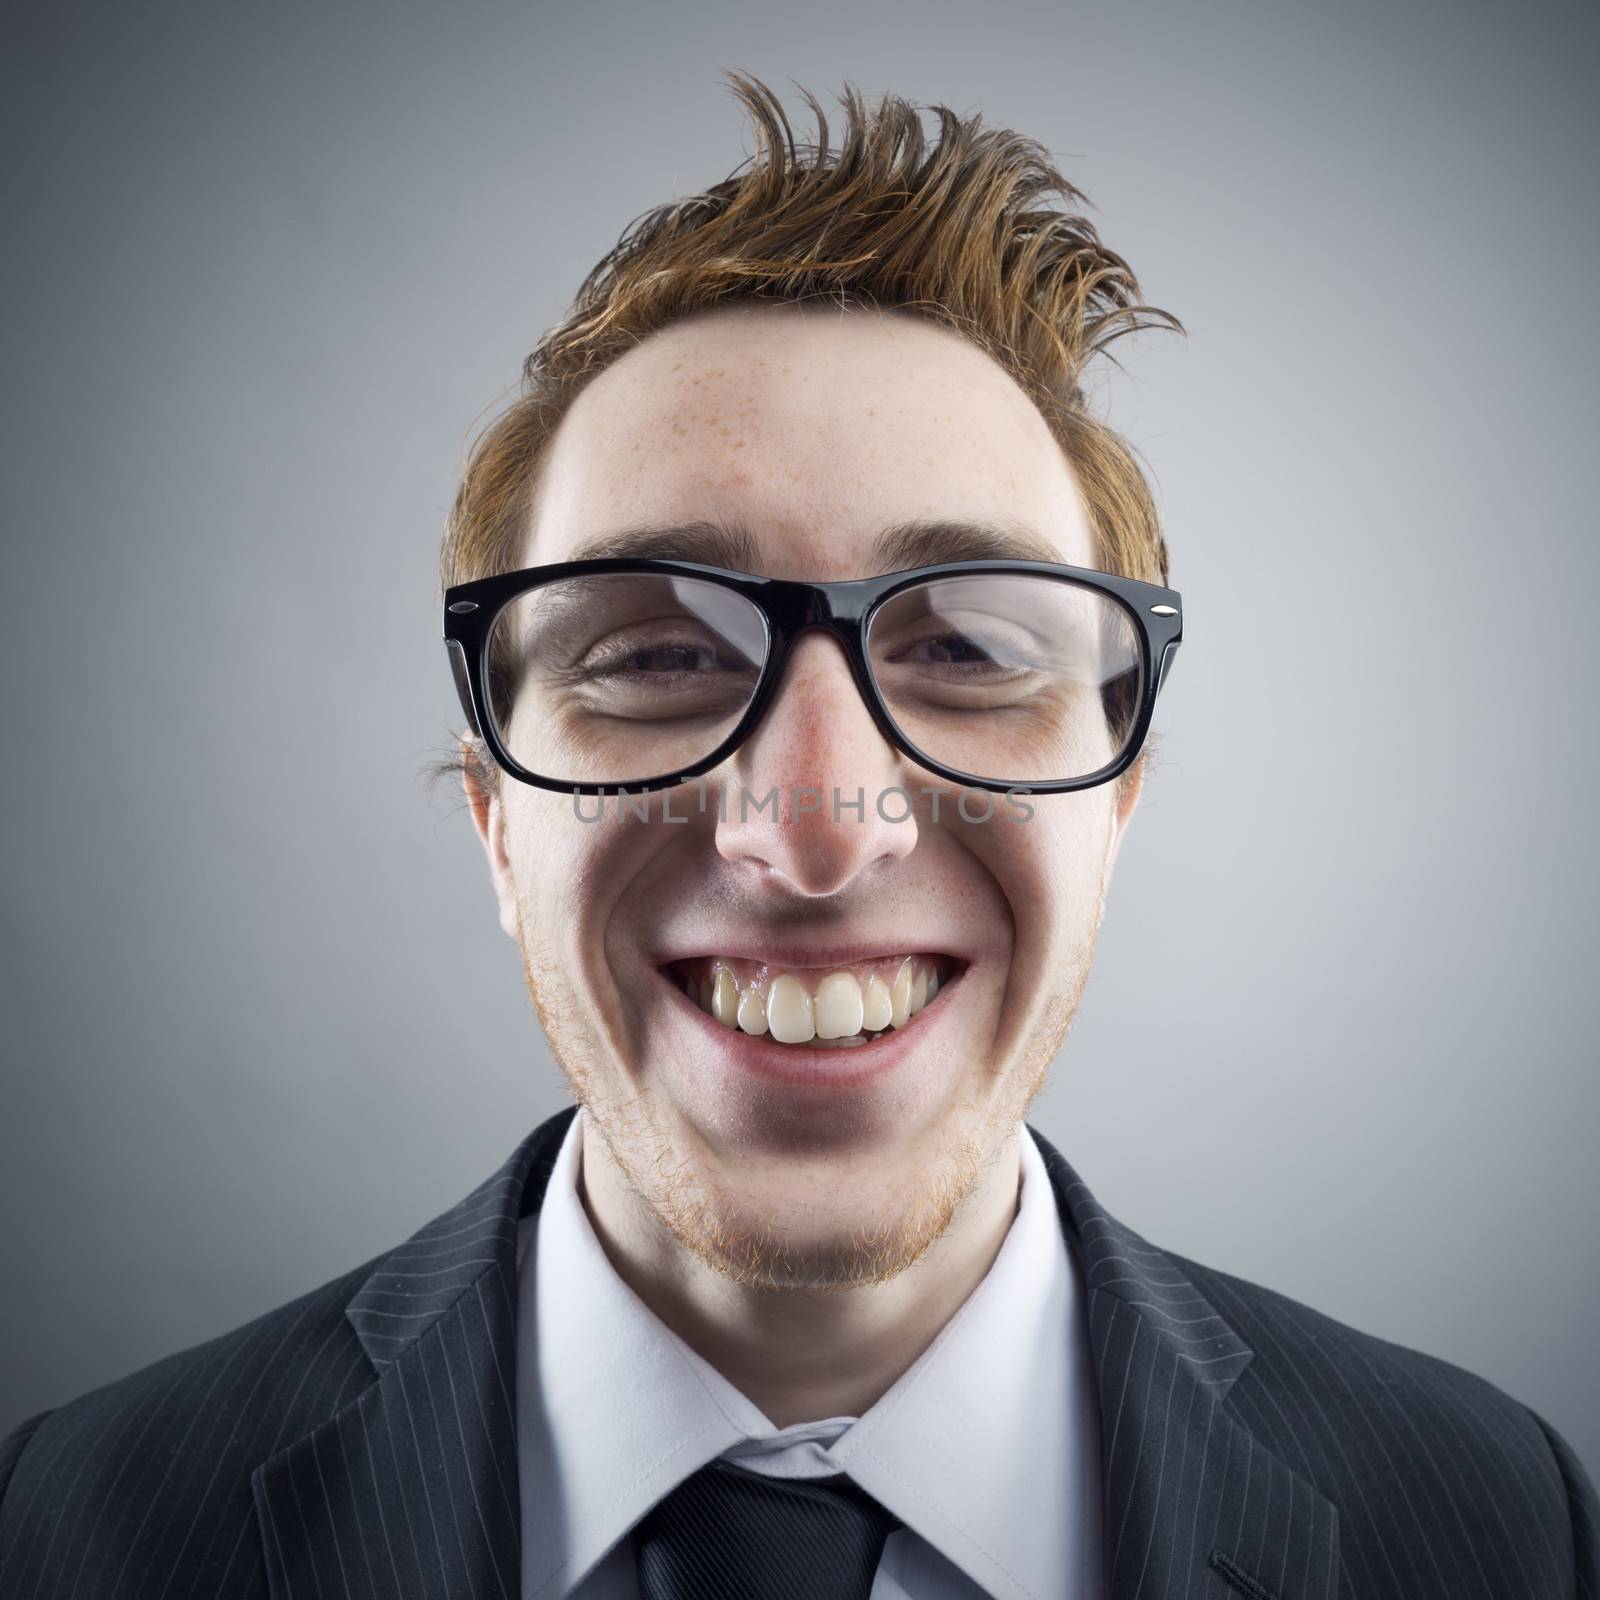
{"points": [[727, 1533]]}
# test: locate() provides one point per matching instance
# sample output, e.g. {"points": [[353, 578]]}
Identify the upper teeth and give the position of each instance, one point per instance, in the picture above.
{"points": [[843, 1007]]}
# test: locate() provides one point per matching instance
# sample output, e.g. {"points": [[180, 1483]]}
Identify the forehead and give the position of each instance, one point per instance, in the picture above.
{"points": [[813, 430]]}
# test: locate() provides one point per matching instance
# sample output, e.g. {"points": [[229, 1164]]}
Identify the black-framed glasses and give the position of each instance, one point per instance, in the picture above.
{"points": [[616, 673]]}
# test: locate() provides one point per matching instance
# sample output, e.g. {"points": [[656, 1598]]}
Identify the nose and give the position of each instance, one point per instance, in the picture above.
{"points": [[818, 807]]}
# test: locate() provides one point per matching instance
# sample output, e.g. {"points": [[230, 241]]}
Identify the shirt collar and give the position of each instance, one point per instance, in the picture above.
{"points": [[987, 1446]]}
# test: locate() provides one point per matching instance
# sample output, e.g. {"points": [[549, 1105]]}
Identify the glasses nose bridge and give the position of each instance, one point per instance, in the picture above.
{"points": [[836, 609]]}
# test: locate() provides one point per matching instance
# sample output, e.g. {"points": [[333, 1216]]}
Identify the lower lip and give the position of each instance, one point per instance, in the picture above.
{"points": [[807, 1066]]}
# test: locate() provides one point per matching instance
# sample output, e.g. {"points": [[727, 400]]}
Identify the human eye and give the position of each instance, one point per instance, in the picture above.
{"points": [[966, 649], [656, 672], [654, 659]]}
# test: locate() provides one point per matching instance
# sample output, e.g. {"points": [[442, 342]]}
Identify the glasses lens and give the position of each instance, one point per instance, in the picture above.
{"points": [[1015, 678], [617, 678]]}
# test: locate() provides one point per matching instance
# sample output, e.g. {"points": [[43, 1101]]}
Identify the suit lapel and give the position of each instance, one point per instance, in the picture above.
{"points": [[411, 1491], [1194, 1503]]}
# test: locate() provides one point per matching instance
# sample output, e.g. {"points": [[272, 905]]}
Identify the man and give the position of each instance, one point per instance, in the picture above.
{"points": [[808, 628]]}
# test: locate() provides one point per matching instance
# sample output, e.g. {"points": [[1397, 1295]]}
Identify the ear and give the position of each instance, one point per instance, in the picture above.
{"points": [[489, 818], [1122, 815]]}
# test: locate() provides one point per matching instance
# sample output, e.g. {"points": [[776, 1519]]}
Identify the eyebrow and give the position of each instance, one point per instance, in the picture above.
{"points": [[914, 542]]}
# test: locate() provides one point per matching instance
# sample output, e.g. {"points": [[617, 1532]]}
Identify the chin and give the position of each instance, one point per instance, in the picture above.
{"points": [[858, 1214], [783, 1242]]}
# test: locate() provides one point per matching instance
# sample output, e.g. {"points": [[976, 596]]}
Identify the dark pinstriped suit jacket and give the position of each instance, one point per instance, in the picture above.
{"points": [[360, 1441]]}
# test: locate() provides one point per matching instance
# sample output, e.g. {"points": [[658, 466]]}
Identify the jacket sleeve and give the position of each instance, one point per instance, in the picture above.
{"points": [[1583, 1506], [12, 1446]]}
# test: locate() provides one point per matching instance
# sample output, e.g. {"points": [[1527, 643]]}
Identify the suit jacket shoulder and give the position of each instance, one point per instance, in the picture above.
{"points": [[182, 1478], [155, 1466], [1445, 1483], [1251, 1439]]}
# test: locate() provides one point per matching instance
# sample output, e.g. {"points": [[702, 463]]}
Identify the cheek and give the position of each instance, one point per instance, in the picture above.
{"points": [[574, 881], [1050, 865], [558, 861]]}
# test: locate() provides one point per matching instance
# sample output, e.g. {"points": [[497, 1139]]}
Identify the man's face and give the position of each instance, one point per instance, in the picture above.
{"points": [[784, 1162]]}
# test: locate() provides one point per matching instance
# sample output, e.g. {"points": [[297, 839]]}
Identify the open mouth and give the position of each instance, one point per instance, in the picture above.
{"points": [[836, 1007]]}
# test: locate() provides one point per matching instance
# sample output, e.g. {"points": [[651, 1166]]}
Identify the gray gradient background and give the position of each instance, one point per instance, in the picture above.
{"points": [[265, 272]]}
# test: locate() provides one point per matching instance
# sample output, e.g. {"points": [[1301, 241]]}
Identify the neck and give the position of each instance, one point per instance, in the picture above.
{"points": [[801, 1354]]}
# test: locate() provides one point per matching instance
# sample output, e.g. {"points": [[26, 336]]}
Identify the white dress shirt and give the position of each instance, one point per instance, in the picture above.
{"points": [[987, 1448]]}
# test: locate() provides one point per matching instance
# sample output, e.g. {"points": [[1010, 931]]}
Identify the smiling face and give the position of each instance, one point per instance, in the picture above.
{"points": [[679, 967]]}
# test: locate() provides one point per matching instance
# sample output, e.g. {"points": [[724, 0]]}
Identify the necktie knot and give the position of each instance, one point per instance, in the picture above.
{"points": [[727, 1533]]}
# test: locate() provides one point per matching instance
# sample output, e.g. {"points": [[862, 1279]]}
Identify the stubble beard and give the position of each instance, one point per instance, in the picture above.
{"points": [[673, 1192]]}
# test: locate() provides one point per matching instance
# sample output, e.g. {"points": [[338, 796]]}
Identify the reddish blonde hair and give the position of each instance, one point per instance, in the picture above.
{"points": [[960, 230]]}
